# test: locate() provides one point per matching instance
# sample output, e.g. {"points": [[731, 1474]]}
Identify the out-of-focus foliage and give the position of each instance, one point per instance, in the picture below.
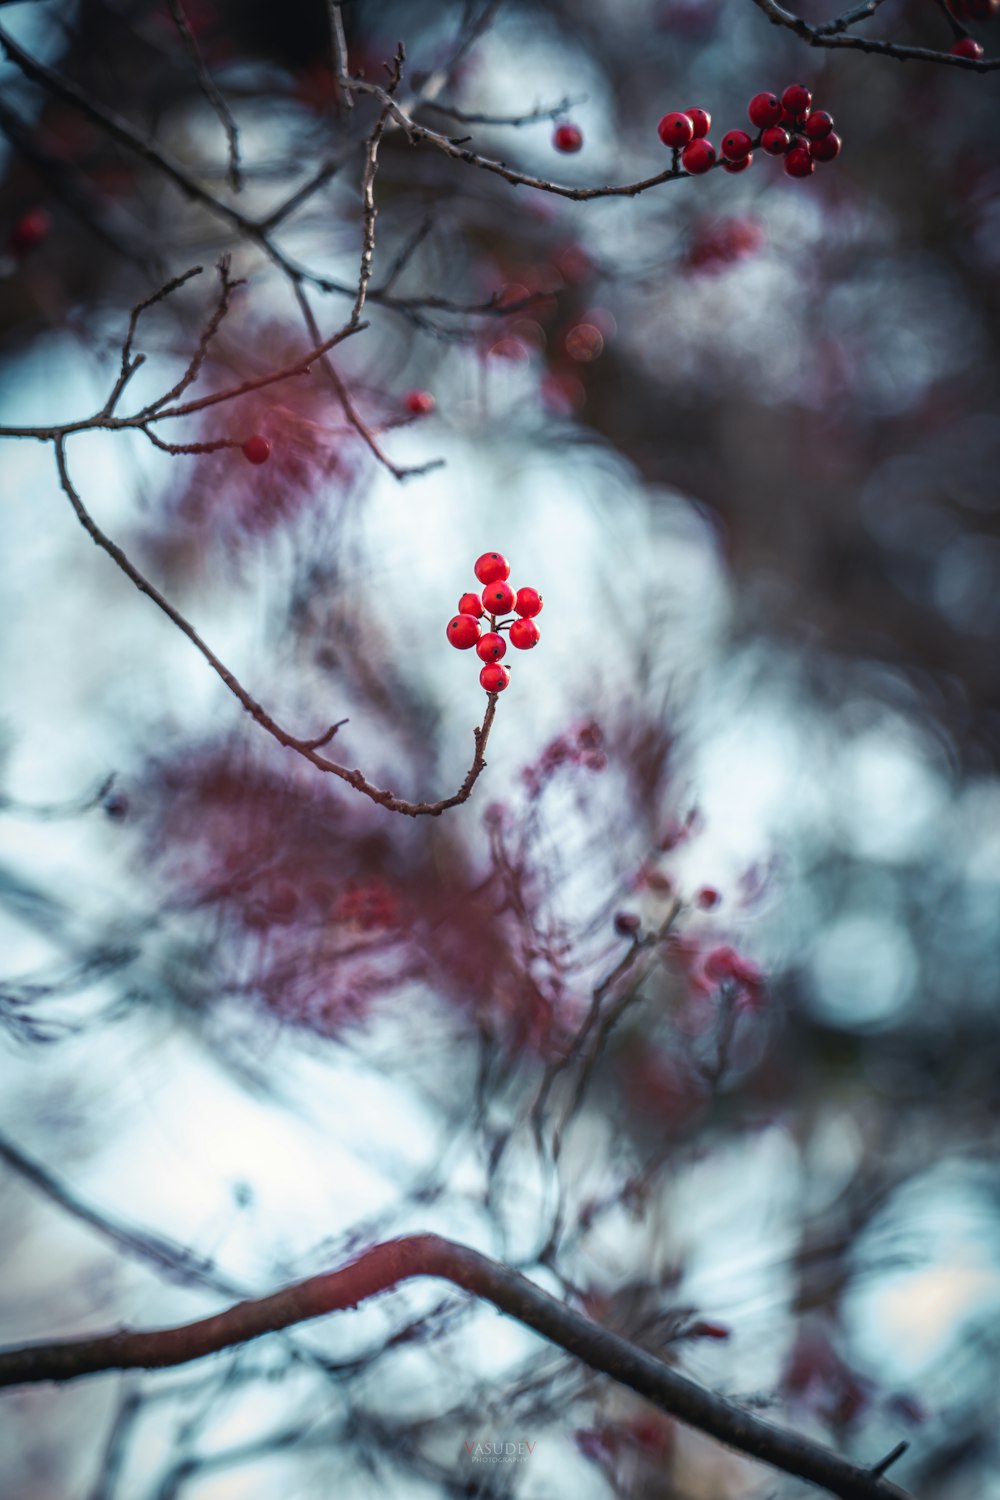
{"points": [[742, 432]]}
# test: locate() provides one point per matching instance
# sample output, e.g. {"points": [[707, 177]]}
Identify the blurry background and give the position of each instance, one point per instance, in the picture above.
{"points": [[742, 433]]}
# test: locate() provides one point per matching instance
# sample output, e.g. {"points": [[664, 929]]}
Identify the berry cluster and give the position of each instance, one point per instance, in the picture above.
{"points": [[496, 598], [787, 127]]}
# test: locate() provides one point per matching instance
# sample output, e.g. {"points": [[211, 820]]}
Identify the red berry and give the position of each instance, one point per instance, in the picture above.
{"points": [[494, 678], [737, 166], [675, 129], [967, 47], [471, 604], [707, 1328], [524, 634], [699, 157], [627, 923], [528, 603], [826, 148], [491, 566], [257, 449], [29, 231], [798, 162], [736, 145], [819, 124], [701, 122], [463, 631], [707, 898], [567, 138], [776, 140], [796, 99], [491, 646], [764, 110], [498, 598], [419, 403]]}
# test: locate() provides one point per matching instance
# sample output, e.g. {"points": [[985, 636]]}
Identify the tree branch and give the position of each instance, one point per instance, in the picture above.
{"points": [[385, 1266]]}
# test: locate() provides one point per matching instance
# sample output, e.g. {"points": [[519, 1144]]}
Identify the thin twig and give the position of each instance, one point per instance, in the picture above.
{"points": [[210, 89]]}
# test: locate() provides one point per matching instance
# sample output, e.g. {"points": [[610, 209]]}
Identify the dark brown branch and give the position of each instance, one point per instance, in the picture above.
{"points": [[303, 747], [384, 1267], [829, 35], [210, 90]]}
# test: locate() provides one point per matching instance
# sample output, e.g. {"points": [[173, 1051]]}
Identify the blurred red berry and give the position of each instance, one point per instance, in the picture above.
{"points": [[764, 110], [796, 99], [776, 140], [494, 678], [463, 631], [470, 604], [699, 157], [967, 47], [29, 231], [826, 148], [706, 1328], [566, 138], [736, 145], [419, 403], [737, 166], [627, 924], [491, 566], [491, 646], [701, 122], [675, 129], [498, 598], [798, 162], [707, 898], [528, 603], [818, 124], [257, 449], [524, 634]]}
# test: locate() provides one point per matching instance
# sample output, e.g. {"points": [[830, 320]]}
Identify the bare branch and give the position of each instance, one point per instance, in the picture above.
{"points": [[303, 747], [831, 34], [385, 1266], [211, 92]]}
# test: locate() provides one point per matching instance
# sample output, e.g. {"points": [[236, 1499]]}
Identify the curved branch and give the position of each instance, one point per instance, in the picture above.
{"points": [[385, 1266], [304, 747]]}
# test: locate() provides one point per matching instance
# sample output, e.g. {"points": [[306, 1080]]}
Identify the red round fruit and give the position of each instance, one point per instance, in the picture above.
{"points": [[498, 598], [491, 566], [699, 157], [419, 403], [737, 166], [675, 129], [796, 99], [764, 110], [29, 231], [826, 148], [494, 678], [967, 47], [701, 122], [463, 632], [567, 138], [524, 634], [736, 145], [627, 923], [708, 898], [776, 140], [491, 646], [798, 162], [818, 124], [257, 449], [528, 603], [471, 604]]}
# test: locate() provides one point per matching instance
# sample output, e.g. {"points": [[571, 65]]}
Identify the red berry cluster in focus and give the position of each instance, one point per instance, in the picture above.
{"points": [[496, 598], [787, 126]]}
